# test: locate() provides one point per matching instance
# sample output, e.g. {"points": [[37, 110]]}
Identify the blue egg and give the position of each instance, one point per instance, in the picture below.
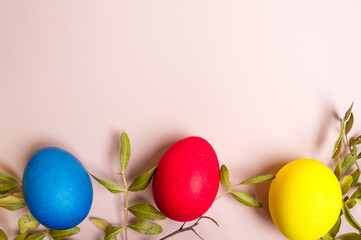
{"points": [[57, 188]]}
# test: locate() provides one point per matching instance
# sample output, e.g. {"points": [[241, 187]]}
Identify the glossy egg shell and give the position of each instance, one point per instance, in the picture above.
{"points": [[57, 188], [186, 181]]}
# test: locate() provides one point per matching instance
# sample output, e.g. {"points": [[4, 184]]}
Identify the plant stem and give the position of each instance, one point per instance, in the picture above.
{"points": [[180, 230], [126, 206], [190, 228], [228, 191]]}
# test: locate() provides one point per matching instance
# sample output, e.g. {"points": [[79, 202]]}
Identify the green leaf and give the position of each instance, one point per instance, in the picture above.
{"points": [[355, 141], [350, 203], [36, 236], [22, 236], [338, 170], [112, 232], [101, 224], [224, 177], [12, 203], [359, 156], [350, 160], [141, 182], [259, 179], [349, 218], [146, 227], [246, 199], [18, 194], [146, 211], [351, 141], [355, 176], [357, 193], [111, 186], [3, 235], [349, 124], [7, 178], [4, 188], [346, 184], [59, 234], [358, 200], [339, 143], [348, 113], [334, 230], [349, 236], [124, 151], [27, 222]]}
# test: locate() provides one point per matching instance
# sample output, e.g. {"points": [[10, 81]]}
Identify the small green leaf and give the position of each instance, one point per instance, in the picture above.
{"points": [[111, 186], [350, 203], [12, 203], [355, 176], [224, 177], [141, 182], [349, 124], [27, 222], [112, 232], [7, 178], [36, 236], [346, 184], [355, 141], [4, 188], [349, 218], [101, 224], [339, 143], [59, 234], [259, 179], [351, 141], [357, 193], [146, 211], [146, 227], [348, 113], [358, 200], [246, 199], [3, 235], [333, 232], [124, 151], [349, 236], [338, 169], [350, 160], [359, 156], [22, 236], [18, 194]]}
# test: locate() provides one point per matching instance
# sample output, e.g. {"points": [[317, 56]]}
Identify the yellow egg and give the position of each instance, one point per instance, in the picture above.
{"points": [[305, 199]]}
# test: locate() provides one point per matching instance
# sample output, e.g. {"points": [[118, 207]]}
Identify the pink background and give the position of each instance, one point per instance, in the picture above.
{"points": [[260, 80]]}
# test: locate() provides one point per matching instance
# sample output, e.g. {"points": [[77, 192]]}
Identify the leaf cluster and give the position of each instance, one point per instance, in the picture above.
{"points": [[241, 196], [347, 172], [145, 213]]}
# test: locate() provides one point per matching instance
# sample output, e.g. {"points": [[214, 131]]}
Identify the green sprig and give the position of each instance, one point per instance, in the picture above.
{"points": [[142, 211]]}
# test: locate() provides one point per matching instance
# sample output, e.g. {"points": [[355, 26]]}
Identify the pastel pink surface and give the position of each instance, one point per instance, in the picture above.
{"points": [[264, 81], [186, 181]]}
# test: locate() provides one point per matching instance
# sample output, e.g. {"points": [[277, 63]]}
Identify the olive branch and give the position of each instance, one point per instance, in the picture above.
{"points": [[347, 171]]}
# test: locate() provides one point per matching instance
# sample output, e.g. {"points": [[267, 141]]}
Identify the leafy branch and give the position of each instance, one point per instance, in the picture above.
{"points": [[141, 211], [240, 196], [348, 181]]}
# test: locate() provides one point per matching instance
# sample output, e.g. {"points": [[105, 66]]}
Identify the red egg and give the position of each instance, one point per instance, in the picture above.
{"points": [[186, 181]]}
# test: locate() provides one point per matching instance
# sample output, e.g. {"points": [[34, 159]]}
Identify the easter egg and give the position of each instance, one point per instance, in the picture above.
{"points": [[57, 188], [186, 181], [305, 199]]}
